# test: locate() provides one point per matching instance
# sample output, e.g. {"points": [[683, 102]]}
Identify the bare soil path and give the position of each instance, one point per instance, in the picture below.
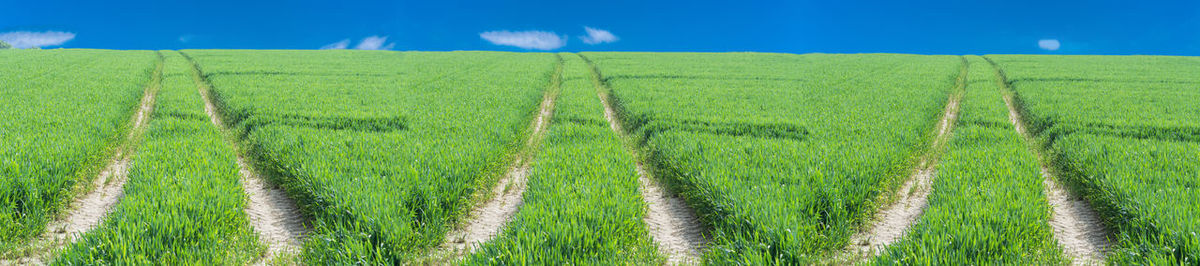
{"points": [[672, 223], [271, 212], [487, 220], [893, 221], [1076, 225]]}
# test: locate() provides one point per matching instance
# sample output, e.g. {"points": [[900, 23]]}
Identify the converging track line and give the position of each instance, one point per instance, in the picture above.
{"points": [[271, 212], [1076, 225], [672, 223], [487, 220], [894, 221], [108, 187]]}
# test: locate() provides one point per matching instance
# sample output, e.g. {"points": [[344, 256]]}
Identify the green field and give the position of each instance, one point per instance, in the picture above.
{"points": [[781, 157]]}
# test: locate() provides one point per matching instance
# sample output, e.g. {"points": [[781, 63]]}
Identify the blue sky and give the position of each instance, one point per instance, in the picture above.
{"points": [[923, 27]]}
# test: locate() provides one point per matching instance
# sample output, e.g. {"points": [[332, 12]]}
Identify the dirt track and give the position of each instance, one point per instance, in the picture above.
{"points": [[486, 221], [273, 215], [1076, 225], [893, 221], [672, 223], [87, 211]]}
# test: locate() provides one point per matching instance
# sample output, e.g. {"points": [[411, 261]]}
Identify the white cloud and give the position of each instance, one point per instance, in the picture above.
{"points": [[598, 36], [186, 38], [337, 45], [374, 43], [540, 40], [28, 39], [1049, 44]]}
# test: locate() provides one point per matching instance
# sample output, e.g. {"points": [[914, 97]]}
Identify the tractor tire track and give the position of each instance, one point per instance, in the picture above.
{"points": [[271, 212], [87, 212], [672, 223], [894, 221], [1077, 227], [489, 219]]}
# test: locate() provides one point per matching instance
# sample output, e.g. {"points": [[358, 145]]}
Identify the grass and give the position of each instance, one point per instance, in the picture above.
{"points": [[1147, 187]]}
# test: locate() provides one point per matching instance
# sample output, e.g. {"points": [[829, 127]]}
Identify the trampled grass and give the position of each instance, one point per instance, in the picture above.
{"points": [[815, 139], [182, 203], [987, 205], [64, 112], [582, 205]]}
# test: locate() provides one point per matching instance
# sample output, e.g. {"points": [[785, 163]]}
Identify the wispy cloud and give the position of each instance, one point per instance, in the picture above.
{"points": [[539, 40], [598, 36], [375, 43], [186, 38], [1049, 44], [29, 39], [337, 45]]}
